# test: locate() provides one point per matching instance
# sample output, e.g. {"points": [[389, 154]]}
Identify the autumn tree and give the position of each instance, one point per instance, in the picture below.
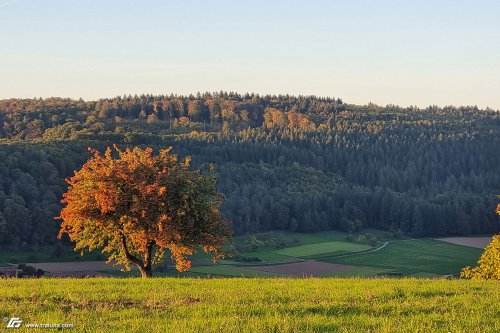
{"points": [[195, 110], [274, 117], [134, 205]]}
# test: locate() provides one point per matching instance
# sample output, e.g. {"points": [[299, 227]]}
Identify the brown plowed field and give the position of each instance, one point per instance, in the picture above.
{"points": [[479, 242]]}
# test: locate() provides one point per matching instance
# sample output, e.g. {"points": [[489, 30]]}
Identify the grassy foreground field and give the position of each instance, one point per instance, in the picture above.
{"points": [[255, 305]]}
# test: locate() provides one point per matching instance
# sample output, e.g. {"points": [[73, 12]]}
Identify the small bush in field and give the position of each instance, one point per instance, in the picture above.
{"points": [[368, 238], [488, 266]]}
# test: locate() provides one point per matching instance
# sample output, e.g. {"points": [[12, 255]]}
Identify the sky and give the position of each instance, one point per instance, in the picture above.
{"points": [[422, 53]]}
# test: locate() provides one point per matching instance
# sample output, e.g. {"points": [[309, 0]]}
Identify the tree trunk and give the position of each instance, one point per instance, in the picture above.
{"points": [[144, 268], [145, 272]]}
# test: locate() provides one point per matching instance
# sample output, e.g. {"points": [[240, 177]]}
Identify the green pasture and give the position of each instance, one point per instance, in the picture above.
{"points": [[322, 248], [421, 257], [255, 305]]}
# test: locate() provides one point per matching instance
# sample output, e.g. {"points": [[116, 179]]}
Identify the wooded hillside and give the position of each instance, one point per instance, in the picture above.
{"points": [[285, 162]]}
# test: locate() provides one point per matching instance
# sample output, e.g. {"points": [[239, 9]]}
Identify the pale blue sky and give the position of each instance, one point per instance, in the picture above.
{"points": [[403, 52]]}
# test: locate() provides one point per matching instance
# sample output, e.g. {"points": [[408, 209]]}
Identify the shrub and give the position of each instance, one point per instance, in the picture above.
{"points": [[488, 266], [268, 240], [368, 238], [247, 259], [29, 271]]}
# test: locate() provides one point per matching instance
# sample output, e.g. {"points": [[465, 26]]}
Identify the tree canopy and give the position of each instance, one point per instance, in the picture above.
{"points": [[137, 205]]}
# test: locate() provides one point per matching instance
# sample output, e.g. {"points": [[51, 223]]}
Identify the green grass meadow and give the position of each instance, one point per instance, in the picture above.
{"points": [[255, 305], [322, 248], [415, 257], [410, 258], [238, 297]]}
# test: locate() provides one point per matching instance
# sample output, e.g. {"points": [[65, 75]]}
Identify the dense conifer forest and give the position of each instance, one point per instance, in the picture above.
{"points": [[291, 163]]}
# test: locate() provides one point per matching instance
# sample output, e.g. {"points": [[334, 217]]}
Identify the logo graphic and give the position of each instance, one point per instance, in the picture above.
{"points": [[14, 323]]}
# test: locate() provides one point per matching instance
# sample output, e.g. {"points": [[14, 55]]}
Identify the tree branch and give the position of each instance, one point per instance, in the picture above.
{"points": [[129, 256]]}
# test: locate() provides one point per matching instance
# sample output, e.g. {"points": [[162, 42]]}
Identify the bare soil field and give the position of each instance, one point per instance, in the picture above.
{"points": [[479, 242], [305, 268]]}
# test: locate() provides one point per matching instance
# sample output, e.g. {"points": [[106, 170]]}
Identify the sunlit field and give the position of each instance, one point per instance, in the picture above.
{"points": [[255, 305]]}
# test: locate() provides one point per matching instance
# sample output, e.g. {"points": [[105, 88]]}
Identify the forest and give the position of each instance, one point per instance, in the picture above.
{"points": [[298, 163]]}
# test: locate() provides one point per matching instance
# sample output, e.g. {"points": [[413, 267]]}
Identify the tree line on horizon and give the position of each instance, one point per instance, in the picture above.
{"points": [[298, 163]]}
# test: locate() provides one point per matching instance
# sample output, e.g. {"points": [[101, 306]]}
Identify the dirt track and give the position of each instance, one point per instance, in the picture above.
{"points": [[479, 242], [305, 268]]}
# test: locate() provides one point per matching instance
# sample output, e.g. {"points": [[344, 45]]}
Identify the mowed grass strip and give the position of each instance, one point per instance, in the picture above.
{"points": [[226, 270], [255, 305], [266, 255], [415, 256], [322, 248]]}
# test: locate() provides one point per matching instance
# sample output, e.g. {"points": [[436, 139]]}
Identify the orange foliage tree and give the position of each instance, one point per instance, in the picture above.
{"points": [[137, 204]]}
